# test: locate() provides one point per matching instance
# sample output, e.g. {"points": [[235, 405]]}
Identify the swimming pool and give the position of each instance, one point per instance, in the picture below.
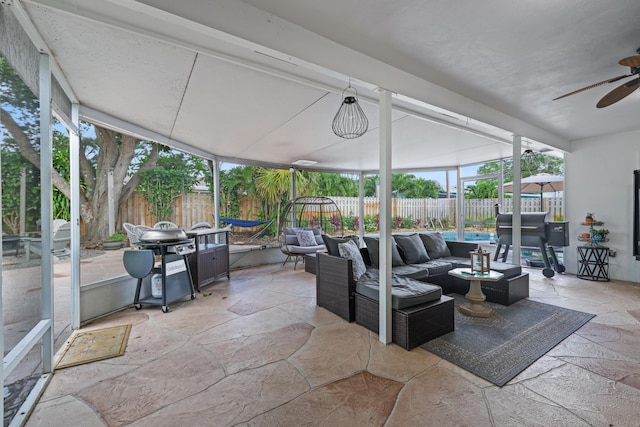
{"points": [[470, 236]]}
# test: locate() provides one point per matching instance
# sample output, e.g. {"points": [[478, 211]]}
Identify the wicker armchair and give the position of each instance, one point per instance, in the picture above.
{"points": [[165, 225]]}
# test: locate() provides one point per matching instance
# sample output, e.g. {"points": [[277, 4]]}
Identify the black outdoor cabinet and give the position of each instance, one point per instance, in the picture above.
{"points": [[210, 261]]}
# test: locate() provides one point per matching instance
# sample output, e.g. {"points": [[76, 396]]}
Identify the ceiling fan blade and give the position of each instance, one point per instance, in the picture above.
{"points": [[611, 80], [631, 61], [618, 93]]}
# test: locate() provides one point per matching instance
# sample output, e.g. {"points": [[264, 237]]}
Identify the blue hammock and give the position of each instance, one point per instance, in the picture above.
{"points": [[248, 223], [245, 223]]}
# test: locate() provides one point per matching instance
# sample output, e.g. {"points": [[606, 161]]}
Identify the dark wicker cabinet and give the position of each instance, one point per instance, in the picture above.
{"points": [[210, 261]]}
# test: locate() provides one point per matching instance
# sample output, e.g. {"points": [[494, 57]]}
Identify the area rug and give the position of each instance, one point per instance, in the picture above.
{"points": [[95, 345], [500, 347]]}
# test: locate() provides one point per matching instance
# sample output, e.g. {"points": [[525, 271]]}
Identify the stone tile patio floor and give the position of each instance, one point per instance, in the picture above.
{"points": [[255, 350]]}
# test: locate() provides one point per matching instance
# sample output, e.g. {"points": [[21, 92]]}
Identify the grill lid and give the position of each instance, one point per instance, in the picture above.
{"points": [[157, 235]]}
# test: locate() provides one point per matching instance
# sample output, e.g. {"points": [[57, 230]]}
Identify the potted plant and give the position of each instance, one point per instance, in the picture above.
{"points": [[589, 218], [113, 242], [599, 234]]}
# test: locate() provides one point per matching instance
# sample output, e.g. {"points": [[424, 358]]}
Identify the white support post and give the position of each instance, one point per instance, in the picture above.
{"points": [[46, 209], [112, 203], [501, 182], [361, 207], [216, 196], [74, 154], [516, 234], [23, 200], [292, 177], [216, 192], [459, 205], [385, 218]]}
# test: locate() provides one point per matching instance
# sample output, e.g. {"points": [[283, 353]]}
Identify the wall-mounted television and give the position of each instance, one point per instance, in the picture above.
{"points": [[636, 214]]}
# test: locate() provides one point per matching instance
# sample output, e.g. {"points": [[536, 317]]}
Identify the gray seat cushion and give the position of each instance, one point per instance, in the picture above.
{"points": [[290, 237], [304, 249], [412, 272], [435, 267], [405, 292], [457, 262]]}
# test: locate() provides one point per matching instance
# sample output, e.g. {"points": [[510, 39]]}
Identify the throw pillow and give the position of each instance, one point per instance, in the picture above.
{"points": [[435, 245], [350, 250], [332, 243], [373, 247], [412, 248], [305, 238]]}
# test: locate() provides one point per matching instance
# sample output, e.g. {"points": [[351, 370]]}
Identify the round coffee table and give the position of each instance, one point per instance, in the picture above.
{"points": [[475, 307]]}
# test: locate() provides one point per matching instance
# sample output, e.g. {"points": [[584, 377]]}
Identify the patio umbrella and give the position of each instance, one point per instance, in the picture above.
{"points": [[539, 183]]}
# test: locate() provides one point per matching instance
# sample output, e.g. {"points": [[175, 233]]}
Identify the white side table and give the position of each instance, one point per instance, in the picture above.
{"points": [[475, 307]]}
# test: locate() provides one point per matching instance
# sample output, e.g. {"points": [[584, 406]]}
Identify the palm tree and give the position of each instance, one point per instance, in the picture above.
{"points": [[272, 185], [334, 184]]}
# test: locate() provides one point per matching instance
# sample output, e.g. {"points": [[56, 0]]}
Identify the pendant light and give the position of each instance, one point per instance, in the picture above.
{"points": [[530, 162], [350, 121]]}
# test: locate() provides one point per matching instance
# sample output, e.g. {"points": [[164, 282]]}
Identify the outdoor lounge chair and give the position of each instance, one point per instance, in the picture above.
{"points": [[56, 224], [200, 225], [60, 241], [134, 232], [165, 225], [248, 223]]}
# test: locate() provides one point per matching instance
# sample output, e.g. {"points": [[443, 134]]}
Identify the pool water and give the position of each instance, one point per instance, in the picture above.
{"points": [[470, 236]]}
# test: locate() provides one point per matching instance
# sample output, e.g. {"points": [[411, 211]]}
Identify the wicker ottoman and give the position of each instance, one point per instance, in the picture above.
{"points": [[412, 326], [507, 291]]}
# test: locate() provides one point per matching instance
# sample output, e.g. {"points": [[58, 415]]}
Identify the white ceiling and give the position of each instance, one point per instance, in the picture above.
{"points": [[259, 82]]}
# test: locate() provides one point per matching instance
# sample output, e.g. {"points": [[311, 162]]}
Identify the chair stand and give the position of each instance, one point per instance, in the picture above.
{"points": [[296, 259]]}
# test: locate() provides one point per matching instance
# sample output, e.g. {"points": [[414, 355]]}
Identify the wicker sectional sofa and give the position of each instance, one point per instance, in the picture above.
{"points": [[413, 324]]}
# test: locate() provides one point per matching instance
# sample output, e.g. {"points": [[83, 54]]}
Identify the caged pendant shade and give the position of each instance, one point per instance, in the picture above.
{"points": [[530, 162], [350, 121]]}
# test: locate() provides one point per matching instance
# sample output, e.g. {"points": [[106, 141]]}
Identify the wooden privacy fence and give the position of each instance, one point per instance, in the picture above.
{"points": [[192, 208], [188, 209]]}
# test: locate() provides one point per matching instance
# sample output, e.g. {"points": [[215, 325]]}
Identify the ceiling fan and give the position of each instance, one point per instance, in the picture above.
{"points": [[621, 91]]}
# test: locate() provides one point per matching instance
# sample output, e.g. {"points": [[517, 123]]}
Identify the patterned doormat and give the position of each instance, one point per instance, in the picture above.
{"points": [[95, 345], [500, 347]]}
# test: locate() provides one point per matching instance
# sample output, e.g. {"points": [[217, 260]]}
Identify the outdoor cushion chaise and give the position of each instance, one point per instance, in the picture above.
{"points": [[419, 310], [405, 291]]}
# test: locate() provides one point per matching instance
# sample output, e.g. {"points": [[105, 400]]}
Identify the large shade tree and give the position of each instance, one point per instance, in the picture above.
{"points": [[108, 152], [175, 174], [488, 188]]}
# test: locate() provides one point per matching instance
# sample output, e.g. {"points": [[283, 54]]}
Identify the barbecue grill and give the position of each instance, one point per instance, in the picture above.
{"points": [[536, 232], [173, 246]]}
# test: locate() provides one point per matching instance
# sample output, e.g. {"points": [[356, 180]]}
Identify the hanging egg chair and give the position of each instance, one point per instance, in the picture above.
{"points": [[319, 214], [312, 212]]}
